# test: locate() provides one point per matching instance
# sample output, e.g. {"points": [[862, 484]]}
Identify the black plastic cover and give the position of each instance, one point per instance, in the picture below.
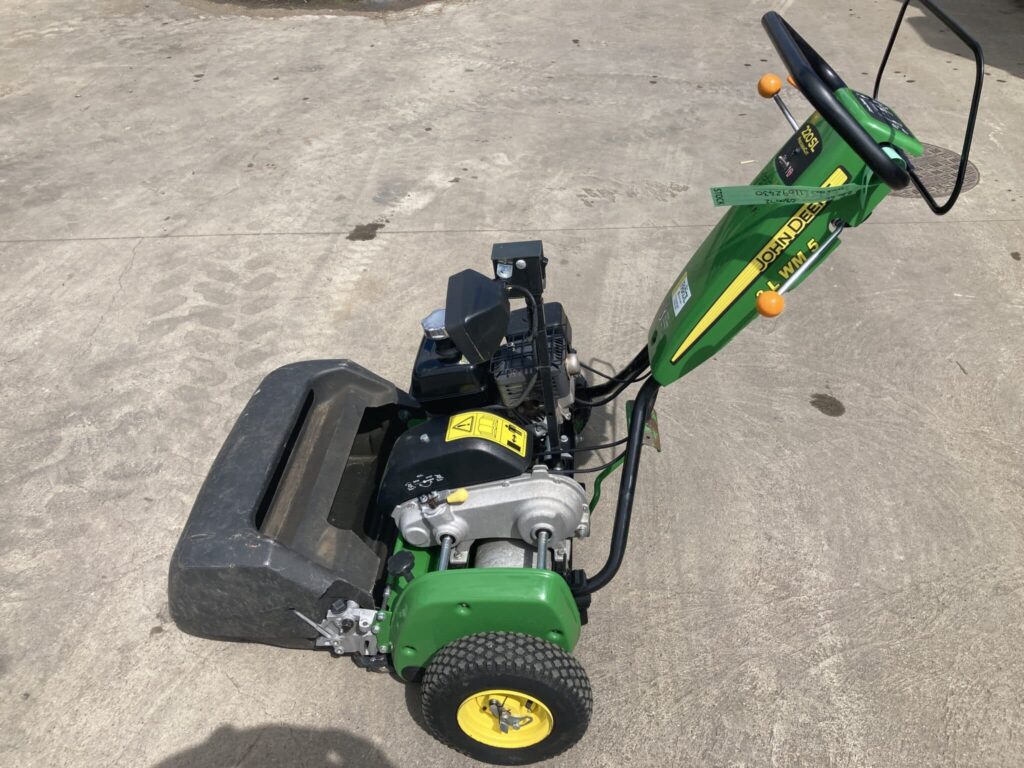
{"points": [[442, 385], [286, 518], [476, 314], [554, 315], [419, 465]]}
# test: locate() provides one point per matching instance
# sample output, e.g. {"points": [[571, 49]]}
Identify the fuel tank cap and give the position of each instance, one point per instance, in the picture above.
{"points": [[433, 325]]}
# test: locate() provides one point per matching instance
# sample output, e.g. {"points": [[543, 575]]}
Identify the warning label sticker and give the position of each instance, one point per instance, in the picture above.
{"points": [[487, 426]]}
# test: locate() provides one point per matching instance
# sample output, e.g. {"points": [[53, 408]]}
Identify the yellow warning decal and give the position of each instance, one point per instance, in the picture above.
{"points": [[487, 426], [797, 223]]}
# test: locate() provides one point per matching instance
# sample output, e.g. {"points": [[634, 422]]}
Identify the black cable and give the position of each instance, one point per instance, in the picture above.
{"points": [[532, 308], [603, 400], [640, 363], [542, 366], [603, 375], [531, 311], [618, 390], [590, 469], [584, 448], [639, 376]]}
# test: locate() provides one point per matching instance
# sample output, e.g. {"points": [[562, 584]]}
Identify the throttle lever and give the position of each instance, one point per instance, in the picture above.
{"points": [[769, 87], [771, 303]]}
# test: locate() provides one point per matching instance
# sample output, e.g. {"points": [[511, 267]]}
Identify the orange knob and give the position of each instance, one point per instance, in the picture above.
{"points": [[770, 303], [769, 85]]}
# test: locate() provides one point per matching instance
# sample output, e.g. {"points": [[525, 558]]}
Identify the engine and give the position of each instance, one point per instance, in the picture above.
{"points": [[443, 381], [487, 476]]}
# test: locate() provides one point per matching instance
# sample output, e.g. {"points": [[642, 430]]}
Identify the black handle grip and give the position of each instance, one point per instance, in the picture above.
{"points": [[818, 82]]}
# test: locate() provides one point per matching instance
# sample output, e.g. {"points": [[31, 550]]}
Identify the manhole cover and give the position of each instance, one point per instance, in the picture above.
{"points": [[937, 169]]}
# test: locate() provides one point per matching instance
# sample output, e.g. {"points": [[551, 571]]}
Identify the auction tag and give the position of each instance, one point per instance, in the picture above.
{"points": [[777, 194]]}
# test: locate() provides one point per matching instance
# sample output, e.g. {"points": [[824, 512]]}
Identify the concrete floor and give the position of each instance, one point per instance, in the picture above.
{"points": [[179, 182]]}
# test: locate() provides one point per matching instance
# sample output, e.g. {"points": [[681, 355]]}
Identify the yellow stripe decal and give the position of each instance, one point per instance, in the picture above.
{"points": [[779, 242]]}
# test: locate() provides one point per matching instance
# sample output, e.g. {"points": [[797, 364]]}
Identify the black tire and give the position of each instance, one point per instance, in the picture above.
{"points": [[506, 661]]}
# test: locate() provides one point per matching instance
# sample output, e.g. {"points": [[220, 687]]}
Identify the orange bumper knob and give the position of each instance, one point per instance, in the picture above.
{"points": [[769, 85], [770, 304]]}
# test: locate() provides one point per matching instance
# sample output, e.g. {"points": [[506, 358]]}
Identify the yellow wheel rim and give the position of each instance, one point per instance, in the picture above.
{"points": [[526, 719]]}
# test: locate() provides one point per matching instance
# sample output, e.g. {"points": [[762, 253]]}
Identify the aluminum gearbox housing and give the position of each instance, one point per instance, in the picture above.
{"points": [[516, 508]]}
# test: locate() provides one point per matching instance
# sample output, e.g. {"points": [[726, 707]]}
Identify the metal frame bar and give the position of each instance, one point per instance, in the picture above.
{"points": [[838, 227], [972, 116], [642, 408]]}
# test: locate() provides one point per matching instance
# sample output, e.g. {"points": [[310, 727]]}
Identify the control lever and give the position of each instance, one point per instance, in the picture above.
{"points": [[769, 87], [771, 303]]}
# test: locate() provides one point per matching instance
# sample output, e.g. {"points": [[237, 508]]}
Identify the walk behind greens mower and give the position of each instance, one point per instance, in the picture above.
{"points": [[432, 532]]}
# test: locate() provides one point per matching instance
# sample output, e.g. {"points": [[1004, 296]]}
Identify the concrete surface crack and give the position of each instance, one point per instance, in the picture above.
{"points": [[120, 288]]}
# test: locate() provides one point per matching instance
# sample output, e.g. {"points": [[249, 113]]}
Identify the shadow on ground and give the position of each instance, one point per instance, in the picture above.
{"points": [[414, 705], [996, 24], [274, 746]]}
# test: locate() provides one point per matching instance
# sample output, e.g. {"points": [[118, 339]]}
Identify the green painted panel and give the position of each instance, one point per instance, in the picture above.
{"points": [[879, 130], [441, 606], [758, 247]]}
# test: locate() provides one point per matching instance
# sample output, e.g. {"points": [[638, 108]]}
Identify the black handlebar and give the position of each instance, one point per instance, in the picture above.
{"points": [[818, 82], [972, 116]]}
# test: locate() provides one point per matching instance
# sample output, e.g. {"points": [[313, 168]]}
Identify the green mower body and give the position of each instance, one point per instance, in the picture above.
{"points": [[758, 248], [753, 248], [432, 531]]}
